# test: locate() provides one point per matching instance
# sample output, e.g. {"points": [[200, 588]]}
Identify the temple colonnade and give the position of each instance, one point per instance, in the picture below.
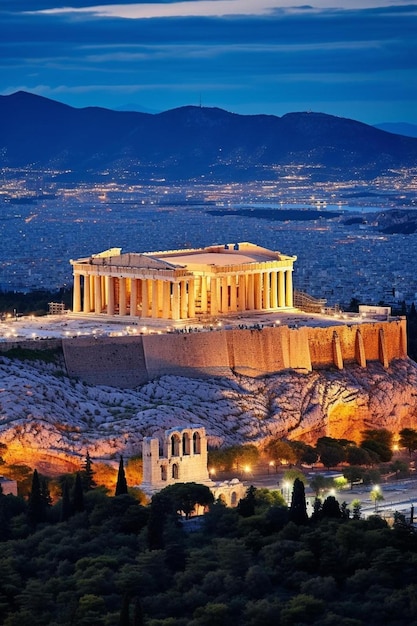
{"points": [[182, 298], [183, 284]]}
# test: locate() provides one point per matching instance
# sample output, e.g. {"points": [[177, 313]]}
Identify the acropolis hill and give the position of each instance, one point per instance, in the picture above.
{"points": [[230, 283], [245, 375]]}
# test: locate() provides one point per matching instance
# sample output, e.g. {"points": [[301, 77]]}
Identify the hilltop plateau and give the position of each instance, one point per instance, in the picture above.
{"points": [[192, 143], [49, 420]]}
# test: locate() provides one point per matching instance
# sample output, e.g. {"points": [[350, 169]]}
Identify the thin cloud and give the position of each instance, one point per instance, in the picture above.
{"points": [[211, 8]]}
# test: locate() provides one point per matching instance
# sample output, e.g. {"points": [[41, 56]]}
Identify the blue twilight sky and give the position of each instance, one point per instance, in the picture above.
{"points": [[351, 58]]}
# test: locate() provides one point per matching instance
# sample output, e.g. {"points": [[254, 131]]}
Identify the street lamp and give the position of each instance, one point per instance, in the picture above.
{"points": [[286, 488], [376, 496]]}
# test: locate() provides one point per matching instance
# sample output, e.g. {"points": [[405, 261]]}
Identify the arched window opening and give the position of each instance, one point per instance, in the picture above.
{"points": [[175, 472], [197, 443], [233, 499], [164, 475], [186, 443], [175, 445]]}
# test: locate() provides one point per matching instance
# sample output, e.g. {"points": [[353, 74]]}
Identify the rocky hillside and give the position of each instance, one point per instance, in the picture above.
{"points": [[49, 420]]}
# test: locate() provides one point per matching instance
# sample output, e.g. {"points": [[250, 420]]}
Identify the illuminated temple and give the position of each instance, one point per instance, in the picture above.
{"points": [[183, 284]]}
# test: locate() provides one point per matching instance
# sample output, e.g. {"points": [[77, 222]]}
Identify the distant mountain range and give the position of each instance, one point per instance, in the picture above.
{"points": [[192, 143], [399, 128]]}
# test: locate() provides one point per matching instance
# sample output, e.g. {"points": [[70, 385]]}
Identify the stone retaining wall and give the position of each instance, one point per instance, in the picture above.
{"points": [[127, 362]]}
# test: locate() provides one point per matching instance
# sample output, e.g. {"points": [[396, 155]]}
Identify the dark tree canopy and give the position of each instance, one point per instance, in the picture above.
{"points": [[331, 451], [298, 508], [36, 502], [331, 508], [378, 443], [121, 485], [246, 506], [408, 439]]}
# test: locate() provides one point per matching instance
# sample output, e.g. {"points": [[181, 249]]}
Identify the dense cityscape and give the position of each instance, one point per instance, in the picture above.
{"points": [[342, 254]]}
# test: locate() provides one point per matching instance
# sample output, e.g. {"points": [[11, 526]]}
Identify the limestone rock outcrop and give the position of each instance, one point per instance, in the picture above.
{"points": [[47, 417]]}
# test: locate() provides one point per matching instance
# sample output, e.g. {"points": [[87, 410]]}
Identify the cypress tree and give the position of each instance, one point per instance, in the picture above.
{"points": [[246, 506], [35, 502], [78, 495], [121, 485], [298, 508], [88, 474]]}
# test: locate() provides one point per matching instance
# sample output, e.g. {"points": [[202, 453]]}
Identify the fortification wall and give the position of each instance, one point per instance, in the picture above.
{"points": [[299, 354], [253, 352], [114, 361], [198, 355], [257, 352], [376, 336], [31, 344], [127, 362]]}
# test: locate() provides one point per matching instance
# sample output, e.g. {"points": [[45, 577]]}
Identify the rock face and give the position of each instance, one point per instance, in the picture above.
{"points": [[46, 417]]}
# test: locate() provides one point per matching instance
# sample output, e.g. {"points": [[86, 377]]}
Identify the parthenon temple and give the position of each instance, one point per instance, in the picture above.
{"points": [[183, 284]]}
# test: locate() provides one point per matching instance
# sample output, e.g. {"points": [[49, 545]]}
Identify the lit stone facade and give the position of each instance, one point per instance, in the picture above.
{"points": [[181, 458], [183, 284]]}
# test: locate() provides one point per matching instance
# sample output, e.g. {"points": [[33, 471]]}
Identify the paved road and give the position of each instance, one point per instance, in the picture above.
{"points": [[398, 495]]}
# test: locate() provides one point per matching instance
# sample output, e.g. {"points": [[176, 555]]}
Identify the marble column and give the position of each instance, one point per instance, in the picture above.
{"points": [[92, 292], [242, 292], [191, 297], [288, 289], [203, 297], [251, 292], [266, 279], [274, 290], [281, 290], [160, 297], [122, 296], [76, 301], [145, 298], [175, 301], [155, 303], [97, 294], [104, 295], [224, 294], [258, 291], [133, 297], [110, 295], [86, 299], [233, 293], [166, 300], [183, 300], [214, 303]]}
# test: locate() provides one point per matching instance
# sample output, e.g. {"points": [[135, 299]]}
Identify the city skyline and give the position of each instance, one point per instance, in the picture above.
{"points": [[354, 60]]}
